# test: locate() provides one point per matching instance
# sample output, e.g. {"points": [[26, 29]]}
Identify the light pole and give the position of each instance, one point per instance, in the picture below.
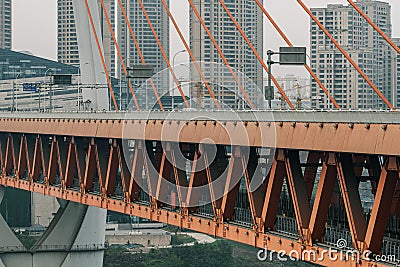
{"points": [[126, 61], [80, 97], [173, 66], [14, 102], [51, 89]]}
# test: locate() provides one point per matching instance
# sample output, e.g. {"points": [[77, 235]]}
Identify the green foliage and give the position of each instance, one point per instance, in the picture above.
{"points": [[177, 240], [219, 254], [199, 255]]}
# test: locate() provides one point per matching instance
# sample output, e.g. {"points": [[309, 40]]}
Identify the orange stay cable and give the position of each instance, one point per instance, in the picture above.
{"points": [[119, 52], [139, 51], [352, 62], [103, 61], [282, 92], [191, 54], [282, 34], [221, 54], [395, 47], [163, 53]]}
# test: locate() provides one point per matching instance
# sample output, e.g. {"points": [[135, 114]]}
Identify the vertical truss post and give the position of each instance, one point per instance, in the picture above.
{"points": [[310, 173], [352, 201], [382, 204], [198, 178], [297, 188], [232, 185], [274, 190], [323, 198]]}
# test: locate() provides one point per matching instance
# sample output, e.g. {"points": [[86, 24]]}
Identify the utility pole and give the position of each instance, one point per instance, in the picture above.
{"points": [[13, 97]]}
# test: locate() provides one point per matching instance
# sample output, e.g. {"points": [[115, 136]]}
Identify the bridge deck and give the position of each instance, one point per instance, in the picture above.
{"points": [[359, 132], [357, 117]]}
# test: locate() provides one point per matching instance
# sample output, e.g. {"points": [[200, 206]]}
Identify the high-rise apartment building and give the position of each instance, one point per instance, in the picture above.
{"points": [[148, 46], [396, 60], [67, 40], [5, 24], [234, 47], [68, 47], [366, 48]]}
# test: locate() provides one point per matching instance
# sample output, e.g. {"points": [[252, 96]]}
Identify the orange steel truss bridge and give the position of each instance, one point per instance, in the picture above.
{"points": [[270, 179]]}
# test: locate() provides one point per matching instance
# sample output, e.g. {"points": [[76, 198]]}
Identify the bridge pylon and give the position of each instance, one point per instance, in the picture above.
{"points": [[75, 237]]}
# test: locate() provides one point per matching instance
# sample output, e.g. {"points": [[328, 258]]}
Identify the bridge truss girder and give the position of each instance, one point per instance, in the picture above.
{"points": [[95, 171]]}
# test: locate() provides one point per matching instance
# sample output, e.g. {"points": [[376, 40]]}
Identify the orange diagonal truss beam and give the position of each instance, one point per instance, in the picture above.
{"points": [[282, 34], [191, 54], [103, 61], [395, 47], [119, 53], [139, 51], [163, 52], [221, 53], [281, 91], [352, 62]]}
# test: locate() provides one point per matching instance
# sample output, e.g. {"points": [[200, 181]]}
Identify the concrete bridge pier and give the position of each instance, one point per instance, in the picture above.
{"points": [[75, 237]]}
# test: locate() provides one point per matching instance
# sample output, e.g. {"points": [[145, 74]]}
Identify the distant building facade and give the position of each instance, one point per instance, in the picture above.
{"points": [[67, 40], [235, 48], [68, 47], [17, 69], [365, 46], [5, 24], [397, 72], [148, 46]]}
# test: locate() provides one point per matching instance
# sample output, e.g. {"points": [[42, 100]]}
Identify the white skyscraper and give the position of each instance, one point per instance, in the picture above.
{"points": [[67, 41], [68, 47], [365, 46], [232, 44], [5, 24]]}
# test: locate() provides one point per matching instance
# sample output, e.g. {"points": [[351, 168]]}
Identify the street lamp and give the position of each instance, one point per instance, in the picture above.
{"points": [[80, 98], [51, 88], [173, 68], [14, 102], [126, 61]]}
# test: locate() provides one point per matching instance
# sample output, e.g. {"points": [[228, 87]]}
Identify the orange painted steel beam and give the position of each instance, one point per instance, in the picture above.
{"points": [[352, 62], [281, 91], [369, 139], [310, 173], [351, 196], [198, 178], [199, 224], [119, 53], [203, 78], [219, 50], [163, 53], [179, 174], [273, 191], [103, 61], [379, 30], [139, 50], [232, 184], [382, 205], [283, 35], [255, 195], [298, 191], [136, 172], [323, 198]]}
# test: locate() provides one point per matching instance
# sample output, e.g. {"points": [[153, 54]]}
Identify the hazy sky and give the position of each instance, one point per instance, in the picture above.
{"points": [[35, 26]]}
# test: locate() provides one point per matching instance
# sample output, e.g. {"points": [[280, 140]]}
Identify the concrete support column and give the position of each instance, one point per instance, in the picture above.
{"points": [[75, 237]]}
